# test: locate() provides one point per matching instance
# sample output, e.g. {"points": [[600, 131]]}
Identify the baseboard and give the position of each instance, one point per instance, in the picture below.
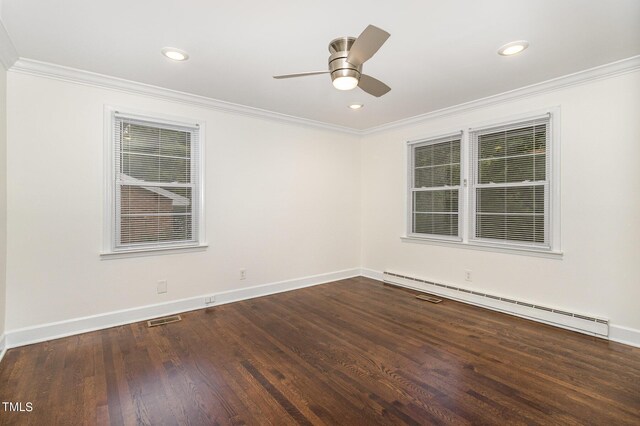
{"points": [[626, 335], [3, 346], [55, 330], [40, 333], [370, 273]]}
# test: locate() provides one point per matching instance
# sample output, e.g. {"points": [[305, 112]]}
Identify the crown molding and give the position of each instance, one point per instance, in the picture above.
{"points": [[59, 72], [73, 75], [8, 53], [581, 77]]}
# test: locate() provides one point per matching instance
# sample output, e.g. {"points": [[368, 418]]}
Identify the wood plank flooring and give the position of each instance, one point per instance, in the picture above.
{"points": [[353, 352]]}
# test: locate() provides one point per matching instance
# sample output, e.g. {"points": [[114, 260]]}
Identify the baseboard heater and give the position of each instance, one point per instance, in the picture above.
{"points": [[570, 320]]}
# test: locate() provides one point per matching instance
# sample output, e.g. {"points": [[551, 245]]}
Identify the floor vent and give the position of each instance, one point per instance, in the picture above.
{"points": [[164, 320], [428, 298], [574, 321]]}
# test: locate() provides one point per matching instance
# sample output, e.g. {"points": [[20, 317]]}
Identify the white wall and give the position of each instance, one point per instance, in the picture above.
{"points": [[282, 201], [3, 196], [286, 201], [600, 178]]}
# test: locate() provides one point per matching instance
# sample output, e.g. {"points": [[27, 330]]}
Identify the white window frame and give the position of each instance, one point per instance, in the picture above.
{"points": [[111, 227], [467, 198], [411, 146]]}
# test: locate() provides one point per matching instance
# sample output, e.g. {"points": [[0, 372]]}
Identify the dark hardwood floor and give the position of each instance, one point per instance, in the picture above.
{"points": [[353, 352]]}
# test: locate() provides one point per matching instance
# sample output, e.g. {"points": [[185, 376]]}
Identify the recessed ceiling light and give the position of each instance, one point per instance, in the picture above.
{"points": [[175, 54], [356, 106], [513, 48]]}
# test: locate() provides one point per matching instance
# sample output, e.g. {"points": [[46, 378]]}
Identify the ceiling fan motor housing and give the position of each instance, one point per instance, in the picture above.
{"points": [[338, 65]]}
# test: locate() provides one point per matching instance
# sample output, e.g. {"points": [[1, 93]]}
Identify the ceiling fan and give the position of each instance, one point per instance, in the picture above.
{"points": [[345, 63]]}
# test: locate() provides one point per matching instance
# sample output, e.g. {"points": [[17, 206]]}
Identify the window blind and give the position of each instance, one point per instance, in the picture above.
{"points": [[156, 183], [435, 190], [510, 182]]}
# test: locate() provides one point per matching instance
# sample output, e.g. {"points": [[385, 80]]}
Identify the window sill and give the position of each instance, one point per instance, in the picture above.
{"points": [[120, 254], [522, 251]]}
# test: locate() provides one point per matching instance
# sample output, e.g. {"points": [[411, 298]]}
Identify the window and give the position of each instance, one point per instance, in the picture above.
{"points": [[156, 189], [509, 185], [435, 191], [499, 195]]}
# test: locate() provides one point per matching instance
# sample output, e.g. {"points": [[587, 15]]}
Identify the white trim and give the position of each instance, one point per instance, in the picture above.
{"points": [[566, 319], [58, 72], [87, 78], [554, 177], [435, 137], [8, 53], [466, 199], [492, 125], [626, 335], [411, 189], [464, 204], [155, 251], [502, 248], [201, 182], [108, 208], [553, 173], [552, 194], [373, 274], [154, 119], [3, 345], [110, 227], [612, 69], [55, 330]]}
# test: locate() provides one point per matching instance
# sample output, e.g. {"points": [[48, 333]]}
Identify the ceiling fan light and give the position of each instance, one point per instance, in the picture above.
{"points": [[345, 83]]}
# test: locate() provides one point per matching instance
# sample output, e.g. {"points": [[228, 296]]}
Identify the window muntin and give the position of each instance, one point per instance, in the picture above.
{"points": [[156, 184], [435, 190]]}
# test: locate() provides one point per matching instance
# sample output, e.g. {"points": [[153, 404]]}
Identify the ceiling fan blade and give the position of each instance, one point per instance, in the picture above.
{"points": [[366, 45], [300, 74], [373, 86]]}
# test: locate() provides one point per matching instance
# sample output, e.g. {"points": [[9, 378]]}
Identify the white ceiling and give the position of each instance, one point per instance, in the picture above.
{"points": [[440, 53]]}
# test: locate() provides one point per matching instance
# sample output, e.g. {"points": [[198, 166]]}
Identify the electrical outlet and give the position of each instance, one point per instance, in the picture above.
{"points": [[162, 286], [209, 300], [467, 275], [243, 274]]}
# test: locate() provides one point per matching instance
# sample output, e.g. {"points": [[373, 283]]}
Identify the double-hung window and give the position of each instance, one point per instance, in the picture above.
{"points": [[155, 187], [510, 185], [435, 187], [490, 186]]}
